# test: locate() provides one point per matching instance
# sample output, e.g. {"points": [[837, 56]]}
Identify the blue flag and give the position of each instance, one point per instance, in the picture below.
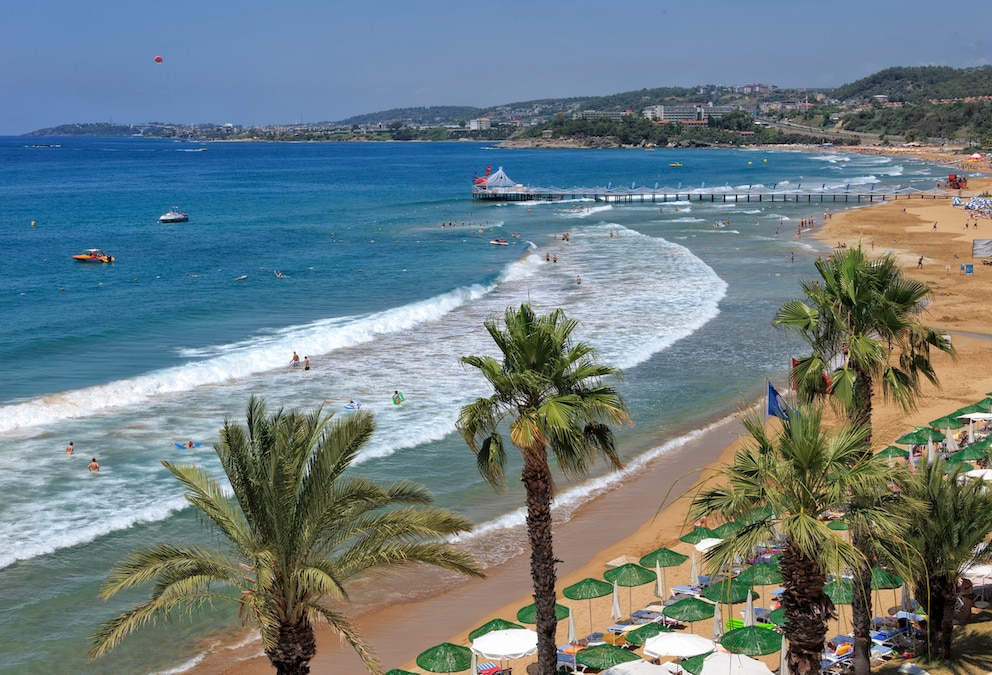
{"points": [[776, 404]]}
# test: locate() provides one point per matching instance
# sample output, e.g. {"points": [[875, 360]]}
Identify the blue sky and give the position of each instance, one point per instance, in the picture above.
{"points": [[252, 62]]}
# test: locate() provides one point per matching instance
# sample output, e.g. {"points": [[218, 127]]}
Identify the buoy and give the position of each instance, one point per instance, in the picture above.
{"points": [[32, 223]]}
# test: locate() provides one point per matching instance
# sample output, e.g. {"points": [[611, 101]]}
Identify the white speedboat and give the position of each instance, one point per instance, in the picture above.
{"points": [[174, 216]]}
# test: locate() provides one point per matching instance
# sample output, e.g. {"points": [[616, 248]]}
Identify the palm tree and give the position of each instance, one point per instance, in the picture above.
{"points": [[860, 322], [958, 518], [552, 394], [783, 481], [299, 531]]}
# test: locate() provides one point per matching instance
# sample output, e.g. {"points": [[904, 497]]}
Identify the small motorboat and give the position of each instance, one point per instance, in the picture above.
{"points": [[498, 242], [675, 164], [174, 216], [94, 255]]}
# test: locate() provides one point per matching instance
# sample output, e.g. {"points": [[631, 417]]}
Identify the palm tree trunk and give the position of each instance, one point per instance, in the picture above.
{"points": [[807, 609], [536, 478], [861, 609], [294, 649], [941, 617]]}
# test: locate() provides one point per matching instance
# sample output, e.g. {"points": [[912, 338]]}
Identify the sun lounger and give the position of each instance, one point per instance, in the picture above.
{"points": [[489, 668]]}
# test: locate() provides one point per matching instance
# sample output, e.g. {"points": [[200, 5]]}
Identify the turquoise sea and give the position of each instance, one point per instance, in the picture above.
{"points": [[162, 345]]}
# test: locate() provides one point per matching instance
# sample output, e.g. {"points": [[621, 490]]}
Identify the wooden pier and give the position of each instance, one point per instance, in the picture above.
{"points": [[643, 195]]}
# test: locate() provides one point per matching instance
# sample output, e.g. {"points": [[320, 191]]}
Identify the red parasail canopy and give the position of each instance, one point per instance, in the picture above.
{"points": [[158, 59]]}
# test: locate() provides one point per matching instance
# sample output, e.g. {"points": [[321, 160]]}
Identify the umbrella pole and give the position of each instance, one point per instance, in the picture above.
{"points": [[590, 616]]}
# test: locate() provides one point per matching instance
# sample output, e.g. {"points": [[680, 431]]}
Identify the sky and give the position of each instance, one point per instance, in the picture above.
{"points": [[257, 63]]}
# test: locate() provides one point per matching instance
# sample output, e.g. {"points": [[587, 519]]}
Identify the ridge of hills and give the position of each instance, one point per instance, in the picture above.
{"points": [[911, 102]]}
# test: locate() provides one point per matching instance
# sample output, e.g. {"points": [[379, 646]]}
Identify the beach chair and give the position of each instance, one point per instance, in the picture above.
{"points": [[488, 668]]}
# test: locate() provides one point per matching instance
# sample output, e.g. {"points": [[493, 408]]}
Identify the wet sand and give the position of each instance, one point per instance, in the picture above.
{"points": [[626, 521]]}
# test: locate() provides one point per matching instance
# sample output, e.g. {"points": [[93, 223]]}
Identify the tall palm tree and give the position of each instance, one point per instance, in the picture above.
{"points": [[958, 519], [860, 320], [551, 393], [783, 481], [299, 530]]}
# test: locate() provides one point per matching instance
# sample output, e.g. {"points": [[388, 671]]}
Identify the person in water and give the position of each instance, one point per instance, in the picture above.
{"points": [[306, 363], [94, 466], [295, 361], [69, 448], [190, 444]]}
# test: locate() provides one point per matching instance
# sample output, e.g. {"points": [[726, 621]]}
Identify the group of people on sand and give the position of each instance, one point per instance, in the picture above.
{"points": [[92, 466]]}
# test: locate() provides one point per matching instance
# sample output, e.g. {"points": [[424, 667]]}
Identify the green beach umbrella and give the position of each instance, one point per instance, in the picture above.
{"points": [[838, 525], [630, 575], [663, 557], [445, 658], [969, 454], [694, 664], [755, 515], [777, 617], [727, 592], [726, 530], [751, 641], [841, 592], [893, 452], [602, 657], [490, 626], [882, 579], [397, 671], [760, 574], [660, 559], [588, 589], [690, 610], [920, 436], [528, 614], [947, 422], [639, 636], [697, 535], [960, 467]]}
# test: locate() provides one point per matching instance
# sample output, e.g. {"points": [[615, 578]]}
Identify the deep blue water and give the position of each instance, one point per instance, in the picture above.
{"points": [[166, 342]]}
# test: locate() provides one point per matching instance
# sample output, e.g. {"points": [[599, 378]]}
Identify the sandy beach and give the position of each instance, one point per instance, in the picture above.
{"points": [[636, 518]]}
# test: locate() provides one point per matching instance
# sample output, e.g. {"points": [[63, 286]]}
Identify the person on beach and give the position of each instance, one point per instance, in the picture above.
{"points": [[919, 263], [69, 448], [295, 361], [93, 466]]}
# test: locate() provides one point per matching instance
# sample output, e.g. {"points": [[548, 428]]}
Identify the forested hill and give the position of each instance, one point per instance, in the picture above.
{"points": [[920, 84]]}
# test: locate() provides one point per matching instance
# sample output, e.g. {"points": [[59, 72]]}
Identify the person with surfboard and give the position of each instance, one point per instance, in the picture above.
{"points": [[398, 397]]}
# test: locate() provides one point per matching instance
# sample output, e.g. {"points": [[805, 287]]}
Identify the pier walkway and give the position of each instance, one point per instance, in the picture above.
{"points": [[519, 193]]}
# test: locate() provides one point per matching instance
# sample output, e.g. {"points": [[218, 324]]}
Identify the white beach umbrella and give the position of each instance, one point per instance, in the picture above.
{"points": [[722, 663], [572, 636], [978, 474], [512, 643], [705, 545], [949, 442], [749, 618], [906, 603], [615, 612], [693, 571], [783, 660], [717, 623], [677, 644], [637, 668], [659, 588]]}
